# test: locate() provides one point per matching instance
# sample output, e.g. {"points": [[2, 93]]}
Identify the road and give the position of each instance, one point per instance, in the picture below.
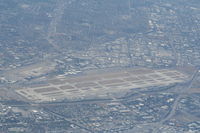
{"points": [[181, 92], [56, 18]]}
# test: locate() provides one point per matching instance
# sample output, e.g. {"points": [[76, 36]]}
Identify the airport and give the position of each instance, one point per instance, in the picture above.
{"points": [[100, 84]]}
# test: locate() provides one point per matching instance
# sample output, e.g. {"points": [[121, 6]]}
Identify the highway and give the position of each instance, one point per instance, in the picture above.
{"points": [[181, 92]]}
